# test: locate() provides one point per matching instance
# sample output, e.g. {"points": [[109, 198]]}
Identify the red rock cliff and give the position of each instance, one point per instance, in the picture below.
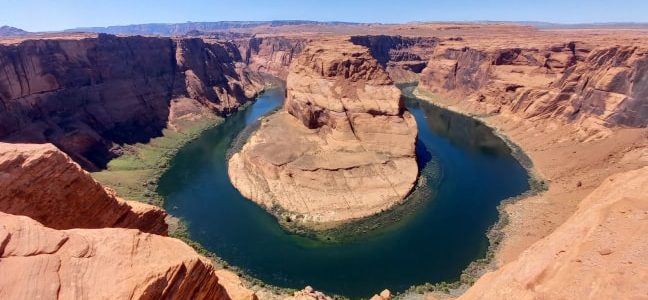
{"points": [[88, 96], [598, 253], [56, 240], [596, 88], [272, 54]]}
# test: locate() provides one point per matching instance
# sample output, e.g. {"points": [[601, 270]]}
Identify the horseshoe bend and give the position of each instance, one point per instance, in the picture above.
{"points": [[323, 160], [341, 148]]}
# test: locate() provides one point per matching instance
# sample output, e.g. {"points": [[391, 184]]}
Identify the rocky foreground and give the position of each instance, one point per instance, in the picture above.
{"points": [[63, 236], [343, 146]]}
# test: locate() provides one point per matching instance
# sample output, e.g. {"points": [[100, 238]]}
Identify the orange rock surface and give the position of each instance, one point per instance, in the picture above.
{"points": [[594, 86], [41, 182], [42, 263]]}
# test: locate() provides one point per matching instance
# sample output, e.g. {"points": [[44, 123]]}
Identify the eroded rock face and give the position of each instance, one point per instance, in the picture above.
{"points": [[593, 87], [40, 181], [109, 263], [271, 55], [343, 148], [88, 96], [403, 57], [599, 252]]}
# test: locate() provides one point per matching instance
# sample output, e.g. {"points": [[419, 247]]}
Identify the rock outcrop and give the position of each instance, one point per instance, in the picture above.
{"points": [[596, 88], [41, 182], [598, 253], [342, 148], [110, 263], [72, 253], [88, 96]]}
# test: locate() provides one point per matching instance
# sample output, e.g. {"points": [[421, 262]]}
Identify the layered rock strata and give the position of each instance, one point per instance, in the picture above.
{"points": [[594, 87], [88, 96], [403, 57], [343, 146], [272, 54], [40, 181]]}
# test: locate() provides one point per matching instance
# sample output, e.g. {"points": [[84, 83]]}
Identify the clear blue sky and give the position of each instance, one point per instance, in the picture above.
{"points": [[41, 15]]}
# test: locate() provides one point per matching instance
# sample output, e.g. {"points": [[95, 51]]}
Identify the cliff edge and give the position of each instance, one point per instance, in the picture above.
{"points": [[598, 253]]}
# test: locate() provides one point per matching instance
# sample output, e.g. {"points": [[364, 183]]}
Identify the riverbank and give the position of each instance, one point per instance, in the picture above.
{"points": [[571, 163], [135, 176]]}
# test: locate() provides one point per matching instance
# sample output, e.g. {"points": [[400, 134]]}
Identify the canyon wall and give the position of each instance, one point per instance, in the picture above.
{"points": [[88, 96], [403, 57], [595, 87], [342, 148], [271, 54]]}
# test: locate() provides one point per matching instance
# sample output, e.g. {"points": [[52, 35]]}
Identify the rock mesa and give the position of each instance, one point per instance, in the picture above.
{"points": [[342, 147]]}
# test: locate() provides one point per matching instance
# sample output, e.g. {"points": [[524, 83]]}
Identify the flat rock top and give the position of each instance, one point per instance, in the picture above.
{"points": [[282, 140], [317, 179]]}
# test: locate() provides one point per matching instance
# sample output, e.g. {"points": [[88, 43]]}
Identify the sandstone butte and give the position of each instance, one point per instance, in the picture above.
{"points": [[342, 148], [573, 100]]}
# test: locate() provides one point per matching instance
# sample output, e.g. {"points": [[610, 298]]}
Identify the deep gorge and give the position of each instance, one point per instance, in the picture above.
{"points": [[466, 172]]}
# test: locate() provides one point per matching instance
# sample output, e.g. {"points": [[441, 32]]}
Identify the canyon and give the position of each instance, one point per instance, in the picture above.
{"points": [[576, 102], [90, 95]]}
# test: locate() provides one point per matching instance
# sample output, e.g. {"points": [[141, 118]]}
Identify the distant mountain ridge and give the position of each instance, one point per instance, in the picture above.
{"points": [[11, 31], [183, 28], [198, 28], [611, 25]]}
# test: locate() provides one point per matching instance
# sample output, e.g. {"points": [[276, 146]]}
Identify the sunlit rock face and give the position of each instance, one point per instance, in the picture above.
{"points": [[592, 87], [343, 146], [43, 183]]}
